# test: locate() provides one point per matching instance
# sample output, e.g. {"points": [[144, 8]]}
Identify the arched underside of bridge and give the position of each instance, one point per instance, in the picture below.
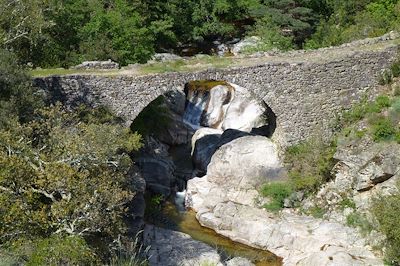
{"points": [[306, 97]]}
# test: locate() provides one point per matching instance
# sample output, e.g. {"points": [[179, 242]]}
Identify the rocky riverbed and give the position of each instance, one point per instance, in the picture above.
{"points": [[226, 133]]}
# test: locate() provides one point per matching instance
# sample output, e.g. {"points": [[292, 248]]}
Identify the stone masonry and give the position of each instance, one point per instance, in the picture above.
{"points": [[306, 93]]}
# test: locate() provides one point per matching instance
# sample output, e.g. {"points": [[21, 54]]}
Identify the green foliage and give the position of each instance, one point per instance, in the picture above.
{"points": [[129, 254], [17, 97], [354, 19], [116, 33], [309, 164], [277, 192], [395, 68], [59, 173], [396, 90], [385, 77], [63, 33], [387, 210], [316, 212], [271, 38], [382, 128], [283, 24], [382, 101], [153, 119], [356, 219], [57, 250], [347, 203], [365, 109]]}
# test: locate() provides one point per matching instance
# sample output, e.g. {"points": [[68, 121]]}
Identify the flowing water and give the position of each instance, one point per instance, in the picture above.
{"points": [[186, 222], [173, 217]]}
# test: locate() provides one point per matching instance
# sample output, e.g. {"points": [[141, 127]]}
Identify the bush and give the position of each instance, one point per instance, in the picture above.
{"points": [[396, 90], [309, 164], [357, 220], [382, 128], [387, 211], [277, 192], [382, 101], [395, 68], [385, 77], [347, 203]]}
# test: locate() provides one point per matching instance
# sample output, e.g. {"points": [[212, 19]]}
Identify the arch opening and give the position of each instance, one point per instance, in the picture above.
{"points": [[182, 129]]}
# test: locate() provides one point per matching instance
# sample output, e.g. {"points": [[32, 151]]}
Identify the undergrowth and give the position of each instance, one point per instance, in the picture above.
{"points": [[309, 165], [387, 211]]}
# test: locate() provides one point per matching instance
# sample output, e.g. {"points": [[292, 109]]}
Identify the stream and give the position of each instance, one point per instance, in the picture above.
{"points": [[215, 105], [187, 223], [167, 215]]}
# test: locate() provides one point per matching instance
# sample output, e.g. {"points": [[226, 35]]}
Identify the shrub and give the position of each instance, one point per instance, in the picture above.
{"points": [[397, 137], [382, 101], [277, 192], [385, 77], [129, 253], [357, 220], [387, 211], [382, 128], [347, 203], [395, 68], [396, 90], [396, 105], [309, 164]]}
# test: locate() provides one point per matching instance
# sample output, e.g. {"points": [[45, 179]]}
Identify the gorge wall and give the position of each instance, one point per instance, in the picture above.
{"points": [[305, 91]]}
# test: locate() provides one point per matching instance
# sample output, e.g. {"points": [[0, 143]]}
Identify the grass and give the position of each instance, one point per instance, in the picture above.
{"points": [[388, 75], [316, 212], [192, 64], [383, 117], [38, 72], [277, 192], [309, 165]]}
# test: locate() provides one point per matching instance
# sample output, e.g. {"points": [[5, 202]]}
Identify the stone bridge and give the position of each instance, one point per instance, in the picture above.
{"points": [[305, 90]]}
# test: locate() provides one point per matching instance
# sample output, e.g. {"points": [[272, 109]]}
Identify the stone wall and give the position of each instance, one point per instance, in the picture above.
{"points": [[305, 95]]}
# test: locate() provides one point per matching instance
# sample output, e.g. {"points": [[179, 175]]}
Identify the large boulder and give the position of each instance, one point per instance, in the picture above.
{"points": [[245, 163], [206, 141], [177, 132], [222, 105], [250, 42], [236, 170], [364, 166], [156, 167], [204, 144]]}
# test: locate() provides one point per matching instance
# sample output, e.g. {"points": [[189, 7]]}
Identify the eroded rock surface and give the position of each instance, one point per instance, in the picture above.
{"points": [[171, 248], [223, 105], [227, 201], [156, 167]]}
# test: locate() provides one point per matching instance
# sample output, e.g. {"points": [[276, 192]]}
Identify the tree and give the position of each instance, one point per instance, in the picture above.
{"points": [[62, 176], [22, 25], [18, 98], [288, 17], [116, 31]]}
